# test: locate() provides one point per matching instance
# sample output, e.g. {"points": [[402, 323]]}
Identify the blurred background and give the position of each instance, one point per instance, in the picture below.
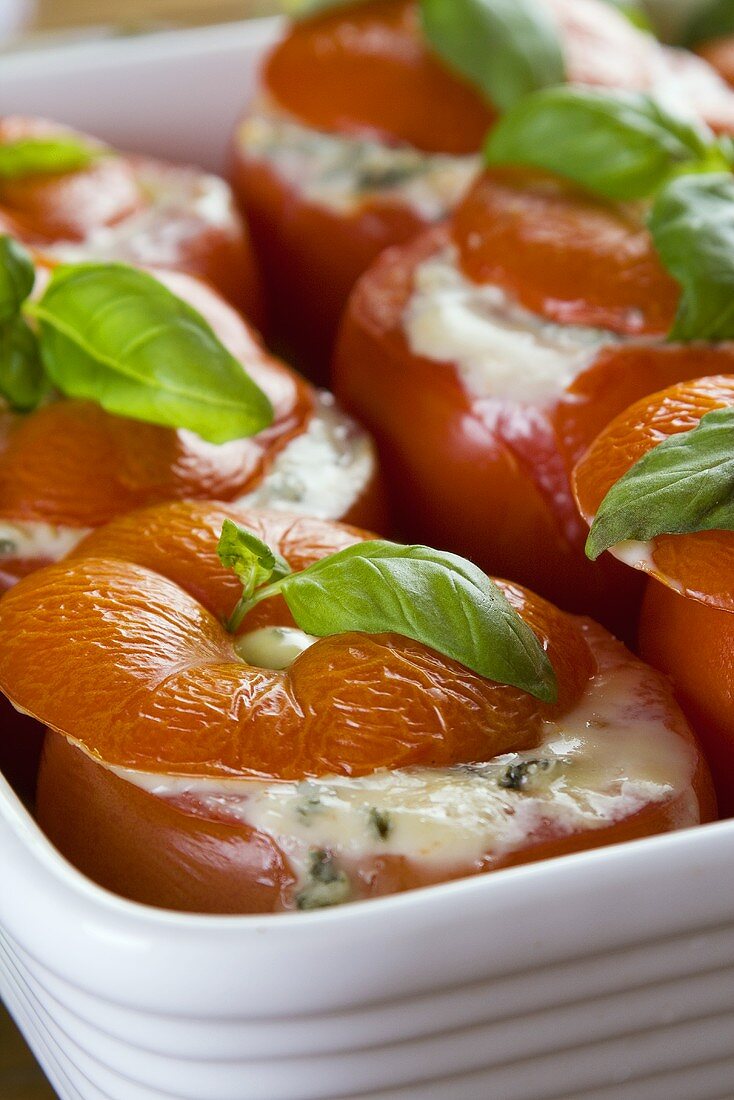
{"points": [[25, 23]]}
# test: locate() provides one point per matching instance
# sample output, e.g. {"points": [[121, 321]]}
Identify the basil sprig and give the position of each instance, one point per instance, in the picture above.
{"points": [[684, 484], [378, 587], [31, 156], [506, 48], [621, 145], [115, 335], [692, 227]]}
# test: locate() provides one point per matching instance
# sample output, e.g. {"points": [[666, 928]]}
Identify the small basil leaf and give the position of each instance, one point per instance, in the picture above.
{"points": [[115, 335], [621, 145], [692, 227], [17, 276], [433, 597], [33, 156], [712, 20], [684, 484], [251, 559], [506, 48], [23, 382]]}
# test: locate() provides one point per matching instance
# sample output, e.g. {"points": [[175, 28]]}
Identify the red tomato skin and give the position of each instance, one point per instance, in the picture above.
{"points": [[693, 643]]}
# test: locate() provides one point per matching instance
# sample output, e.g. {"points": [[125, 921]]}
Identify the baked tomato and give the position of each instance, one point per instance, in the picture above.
{"points": [[69, 466], [180, 771], [687, 620], [486, 355], [360, 137], [129, 208]]}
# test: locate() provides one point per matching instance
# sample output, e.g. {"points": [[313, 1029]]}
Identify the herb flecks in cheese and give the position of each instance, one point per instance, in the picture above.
{"points": [[341, 173], [321, 472], [613, 754], [326, 884]]}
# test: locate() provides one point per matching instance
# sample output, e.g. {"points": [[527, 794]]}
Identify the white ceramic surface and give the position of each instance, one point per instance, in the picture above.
{"points": [[602, 976]]}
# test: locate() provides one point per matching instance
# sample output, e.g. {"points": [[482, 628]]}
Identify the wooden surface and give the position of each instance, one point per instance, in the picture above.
{"points": [[20, 1077]]}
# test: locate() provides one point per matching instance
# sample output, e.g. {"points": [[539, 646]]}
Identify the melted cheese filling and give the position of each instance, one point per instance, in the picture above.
{"points": [[320, 473], [31, 540], [273, 647], [611, 756], [500, 349], [179, 200], [341, 173]]}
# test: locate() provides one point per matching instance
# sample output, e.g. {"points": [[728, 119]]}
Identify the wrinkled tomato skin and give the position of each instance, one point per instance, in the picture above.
{"points": [[693, 643], [310, 266], [486, 478]]}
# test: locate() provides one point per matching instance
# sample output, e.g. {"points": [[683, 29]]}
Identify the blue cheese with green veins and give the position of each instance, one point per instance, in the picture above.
{"points": [[500, 349], [607, 758], [341, 173]]}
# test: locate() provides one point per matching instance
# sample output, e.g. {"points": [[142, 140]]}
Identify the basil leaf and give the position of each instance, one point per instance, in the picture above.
{"points": [[252, 560], [17, 276], [634, 14], [433, 597], [692, 227], [713, 20], [684, 484], [506, 48], [113, 334], [31, 156], [621, 145], [23, 382]]}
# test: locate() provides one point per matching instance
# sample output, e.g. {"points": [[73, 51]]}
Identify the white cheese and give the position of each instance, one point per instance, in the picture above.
{"points": [[34, 540], [500, 349], [179, 200], [321, 472], [274, 647], [613, 754], [342, 173]]}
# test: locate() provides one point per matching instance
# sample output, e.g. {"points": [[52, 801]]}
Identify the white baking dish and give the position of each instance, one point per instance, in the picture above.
{"points": [[599, 976]]}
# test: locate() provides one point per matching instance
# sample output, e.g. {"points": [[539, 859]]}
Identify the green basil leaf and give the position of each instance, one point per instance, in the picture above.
{"points": [[684, 484], [712, 20], [692, 227], [634, 13], [23, 381], [17, 276], [506, 48], [621, 145], [433, 597], [115, 335], [31, 156], [251, 559]]}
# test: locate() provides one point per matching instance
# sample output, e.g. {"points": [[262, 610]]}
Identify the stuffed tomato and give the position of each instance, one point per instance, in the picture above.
{"points": [[72, 198], [486, 355], [69, 465], [687, 620], [222, 747], [104, 403], [366, 132]]}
